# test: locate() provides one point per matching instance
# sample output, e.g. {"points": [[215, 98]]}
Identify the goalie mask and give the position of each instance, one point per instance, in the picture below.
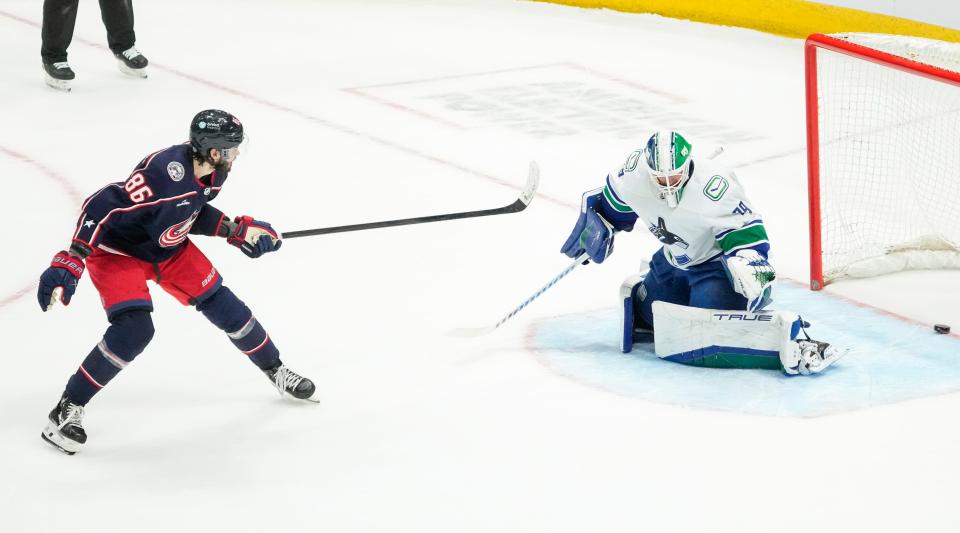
{"points": [[667, 156]]}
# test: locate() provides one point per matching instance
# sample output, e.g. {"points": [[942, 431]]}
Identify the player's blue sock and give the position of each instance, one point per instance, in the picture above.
{"points": [[230, 314], [128, 334]]}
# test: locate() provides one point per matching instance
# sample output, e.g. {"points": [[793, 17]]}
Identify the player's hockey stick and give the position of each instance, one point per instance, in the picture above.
{"points": [[476, 332], [580, 259], [521, 203]]}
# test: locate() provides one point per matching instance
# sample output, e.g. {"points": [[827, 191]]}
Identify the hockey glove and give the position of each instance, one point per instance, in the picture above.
{"points": [[63, 273], [254, 237], [751, 276], [591, 234]]}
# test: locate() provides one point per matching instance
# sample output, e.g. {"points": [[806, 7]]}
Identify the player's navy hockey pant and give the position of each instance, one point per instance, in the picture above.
{"points": [[705, 286], [189, 277]]}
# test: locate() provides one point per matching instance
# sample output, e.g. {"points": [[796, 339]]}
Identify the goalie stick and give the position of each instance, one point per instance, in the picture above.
{"points": [[580, 259], [476, 332], [521, 203]]}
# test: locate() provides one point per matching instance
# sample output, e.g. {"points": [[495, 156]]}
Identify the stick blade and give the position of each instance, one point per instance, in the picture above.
{"points": [[55, 297], [471, 333], [533, 181]]}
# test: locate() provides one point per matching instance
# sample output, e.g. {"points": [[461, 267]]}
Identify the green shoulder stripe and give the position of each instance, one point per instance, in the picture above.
{"points": [[621, 207], [742, 237]]}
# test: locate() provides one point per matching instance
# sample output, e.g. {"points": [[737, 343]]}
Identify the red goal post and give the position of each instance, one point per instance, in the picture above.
{"points": [[883, 154]]}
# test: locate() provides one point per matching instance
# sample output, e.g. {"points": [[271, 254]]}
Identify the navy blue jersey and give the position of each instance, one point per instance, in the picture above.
{"points": [[149, 215]]}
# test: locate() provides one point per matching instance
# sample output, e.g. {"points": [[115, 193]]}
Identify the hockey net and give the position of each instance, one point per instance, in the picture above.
{"points": [[883, 153]]}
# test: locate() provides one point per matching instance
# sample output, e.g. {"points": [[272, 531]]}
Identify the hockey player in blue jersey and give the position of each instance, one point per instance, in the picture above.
{"points": [[712, 272], [137, 230]]}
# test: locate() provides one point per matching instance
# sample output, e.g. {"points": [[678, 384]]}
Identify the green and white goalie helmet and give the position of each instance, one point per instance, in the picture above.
{"points": [[667, 156]]}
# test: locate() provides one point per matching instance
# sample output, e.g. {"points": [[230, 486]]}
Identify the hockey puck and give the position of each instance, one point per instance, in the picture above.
{"points": [[941, 328]]}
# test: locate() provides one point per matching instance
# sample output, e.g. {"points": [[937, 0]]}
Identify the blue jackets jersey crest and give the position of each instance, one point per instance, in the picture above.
{"points": [[149, 215]]}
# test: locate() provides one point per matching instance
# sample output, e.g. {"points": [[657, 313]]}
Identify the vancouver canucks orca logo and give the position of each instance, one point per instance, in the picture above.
{"points": [[177, 233], [663, 235]]}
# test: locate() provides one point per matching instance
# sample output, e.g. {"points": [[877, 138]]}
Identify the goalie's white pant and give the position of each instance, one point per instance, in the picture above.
{"points": [[737, 339]]}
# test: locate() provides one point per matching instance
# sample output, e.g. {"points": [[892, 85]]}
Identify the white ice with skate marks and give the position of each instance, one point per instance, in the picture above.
{"points": [[890, 360]]}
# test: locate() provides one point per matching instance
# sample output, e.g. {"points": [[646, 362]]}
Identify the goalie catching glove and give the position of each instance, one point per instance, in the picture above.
{"points": [[751, 276], [253, 237]]}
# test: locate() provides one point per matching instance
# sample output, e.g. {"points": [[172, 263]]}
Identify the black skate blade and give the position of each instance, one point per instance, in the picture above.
{"points": [[642, 336], [313, 398]]}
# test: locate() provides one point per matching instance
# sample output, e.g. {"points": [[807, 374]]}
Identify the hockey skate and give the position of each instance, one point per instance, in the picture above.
{"points": [[811, 357], [59, 75], [289, 382], [132, 62], [65, 431]]}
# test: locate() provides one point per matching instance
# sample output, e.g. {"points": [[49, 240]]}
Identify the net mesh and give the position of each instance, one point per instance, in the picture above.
{"points": [[889, 158]]}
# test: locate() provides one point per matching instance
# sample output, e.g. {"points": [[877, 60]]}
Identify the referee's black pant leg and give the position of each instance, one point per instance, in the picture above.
{"points": [[59, 18], [117, 17]]}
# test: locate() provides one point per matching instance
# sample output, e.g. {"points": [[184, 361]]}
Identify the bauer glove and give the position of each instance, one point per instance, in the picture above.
{"points": [[59, 280], [254, 237]]}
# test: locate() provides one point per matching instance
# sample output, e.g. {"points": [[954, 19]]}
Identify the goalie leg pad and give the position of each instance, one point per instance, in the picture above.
{"points": [[726, 339], [633, 328]]}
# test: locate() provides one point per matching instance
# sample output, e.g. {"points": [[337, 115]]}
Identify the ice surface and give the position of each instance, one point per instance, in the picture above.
{"points": [[890, 360], [363, 111]]}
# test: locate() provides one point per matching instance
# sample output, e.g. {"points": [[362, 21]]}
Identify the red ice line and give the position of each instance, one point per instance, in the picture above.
{"points": [[868, 306], [266, 103], [530, 344], [77, 197], [64, 184]]}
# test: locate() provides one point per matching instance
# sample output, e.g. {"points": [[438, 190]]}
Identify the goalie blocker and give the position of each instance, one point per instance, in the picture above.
{"points": [[725, 339]]}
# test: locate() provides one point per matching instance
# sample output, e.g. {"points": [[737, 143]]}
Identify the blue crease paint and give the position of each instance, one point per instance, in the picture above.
{"points": [[891, 360]]}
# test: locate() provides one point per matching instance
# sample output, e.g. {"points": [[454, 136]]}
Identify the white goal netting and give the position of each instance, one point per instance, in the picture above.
{"points": [[889, 157]]}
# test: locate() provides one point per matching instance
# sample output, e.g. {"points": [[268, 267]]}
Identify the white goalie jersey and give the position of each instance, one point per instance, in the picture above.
{"points": [[713, 216]]}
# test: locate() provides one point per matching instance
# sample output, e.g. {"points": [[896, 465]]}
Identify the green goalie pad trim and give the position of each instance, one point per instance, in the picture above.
{"points": [[623, 208], [735, 360], [748, 236]]}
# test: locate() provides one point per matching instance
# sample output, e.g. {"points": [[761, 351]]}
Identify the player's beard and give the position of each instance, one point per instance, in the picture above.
{"points": [[223, 168]]}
